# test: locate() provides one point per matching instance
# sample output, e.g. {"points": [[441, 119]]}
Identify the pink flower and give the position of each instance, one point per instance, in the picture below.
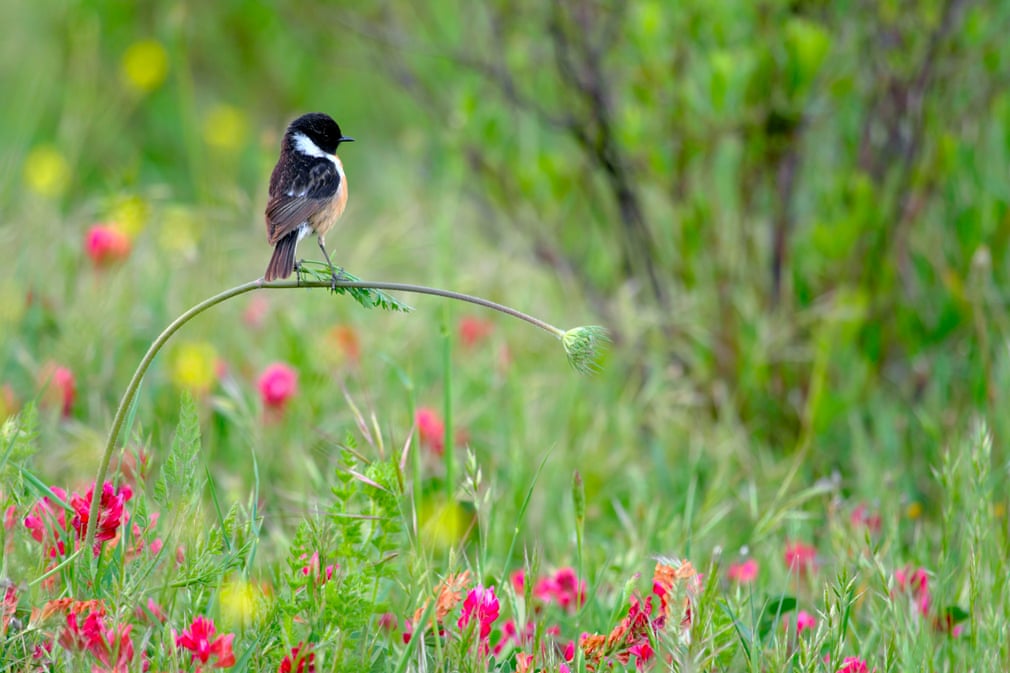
{"points": [[61, 389], [301, 660], [8, 606], [563, 588], [313, 570], [804, 621], [277, 384], [48, 523], [482, 605], [473, 330], [518, 580], [800, 557], [861, 517], [198, 640], [743, 573], [916, 583], [853, 665], [388, 622], [431, 429], [153, 613], [106, 245], [255, 312]]}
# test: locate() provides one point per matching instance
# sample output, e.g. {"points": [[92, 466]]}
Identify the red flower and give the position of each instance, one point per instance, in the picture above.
{"points": [[473, 330], [277, 384], [743, 573], [853, 665], [106, 245], [111, 513], [301, 660], [800, 557], [431, 429], [563, 588], [112, 647], [480, 604], [198, 640]]}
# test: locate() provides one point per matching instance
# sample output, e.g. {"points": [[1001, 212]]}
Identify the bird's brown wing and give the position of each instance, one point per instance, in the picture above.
{"points": [[294, 201]]}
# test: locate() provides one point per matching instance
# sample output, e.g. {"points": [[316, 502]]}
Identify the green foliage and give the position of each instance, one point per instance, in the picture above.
{"points": [[178, 479], [19, 440], [792, 217]]}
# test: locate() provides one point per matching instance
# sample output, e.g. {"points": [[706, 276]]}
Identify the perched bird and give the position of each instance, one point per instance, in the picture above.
{"points": [[308, 190]]}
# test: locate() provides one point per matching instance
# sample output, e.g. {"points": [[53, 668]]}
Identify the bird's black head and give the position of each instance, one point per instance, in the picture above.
{"points": [[320, 129]]}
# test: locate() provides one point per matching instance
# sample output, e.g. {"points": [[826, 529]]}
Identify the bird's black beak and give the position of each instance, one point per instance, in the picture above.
{"points": [[345, 139]]}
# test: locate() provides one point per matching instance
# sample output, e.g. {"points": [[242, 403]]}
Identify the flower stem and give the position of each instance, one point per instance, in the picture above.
{"points": [[138, 376]]}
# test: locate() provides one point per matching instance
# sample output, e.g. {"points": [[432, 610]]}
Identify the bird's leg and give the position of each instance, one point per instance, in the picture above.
{"points": [[298, 272], [334, 274]]}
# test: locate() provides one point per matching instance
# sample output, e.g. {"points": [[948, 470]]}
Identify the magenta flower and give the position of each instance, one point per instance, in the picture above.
{"points": [[853, 665], [199, 641], [743, 573], [106, 245], [563, 588], [643, 653], [804, 621], [481, 605], [916, 584], [277, 384]]}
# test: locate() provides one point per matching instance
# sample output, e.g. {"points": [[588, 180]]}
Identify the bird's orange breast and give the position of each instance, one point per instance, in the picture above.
{"points": [[323, 220]]}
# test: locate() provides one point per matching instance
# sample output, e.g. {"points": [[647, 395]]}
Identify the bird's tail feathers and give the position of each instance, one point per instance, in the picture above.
{"points": [[283, 261]]}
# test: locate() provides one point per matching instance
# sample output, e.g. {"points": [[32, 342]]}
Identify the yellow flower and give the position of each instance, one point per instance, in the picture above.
{"points": [[194, 366], [46, 171], [129, 214], [225, 128], [914, 510], [443, 524], [144, 65], [240, 603], [178, 232]]}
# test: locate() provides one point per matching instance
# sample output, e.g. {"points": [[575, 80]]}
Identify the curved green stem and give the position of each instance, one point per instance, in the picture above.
{"points": [[156, 346]]}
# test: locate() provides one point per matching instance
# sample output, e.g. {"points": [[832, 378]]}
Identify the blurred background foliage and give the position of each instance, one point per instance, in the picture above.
{"points": [[793, 215]]}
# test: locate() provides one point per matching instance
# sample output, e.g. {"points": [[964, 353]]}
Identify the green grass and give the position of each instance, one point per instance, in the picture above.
{"points": [[861, 417]]}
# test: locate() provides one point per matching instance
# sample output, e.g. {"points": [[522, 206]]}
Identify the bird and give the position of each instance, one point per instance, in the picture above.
{"points": [[308, 190]]}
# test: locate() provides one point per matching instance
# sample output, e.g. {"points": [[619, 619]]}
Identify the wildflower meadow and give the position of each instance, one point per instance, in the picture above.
{"points": [[667, 336]]}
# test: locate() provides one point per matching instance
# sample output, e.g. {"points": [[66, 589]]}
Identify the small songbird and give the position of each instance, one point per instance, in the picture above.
{"points": [[308, 190]]}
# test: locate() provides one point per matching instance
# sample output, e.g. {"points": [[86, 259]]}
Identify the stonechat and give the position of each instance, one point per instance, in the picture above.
{"points": [[308, 190]]}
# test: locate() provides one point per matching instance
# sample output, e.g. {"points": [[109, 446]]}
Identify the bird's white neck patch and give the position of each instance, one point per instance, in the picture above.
{"points": [[305, 145]]}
